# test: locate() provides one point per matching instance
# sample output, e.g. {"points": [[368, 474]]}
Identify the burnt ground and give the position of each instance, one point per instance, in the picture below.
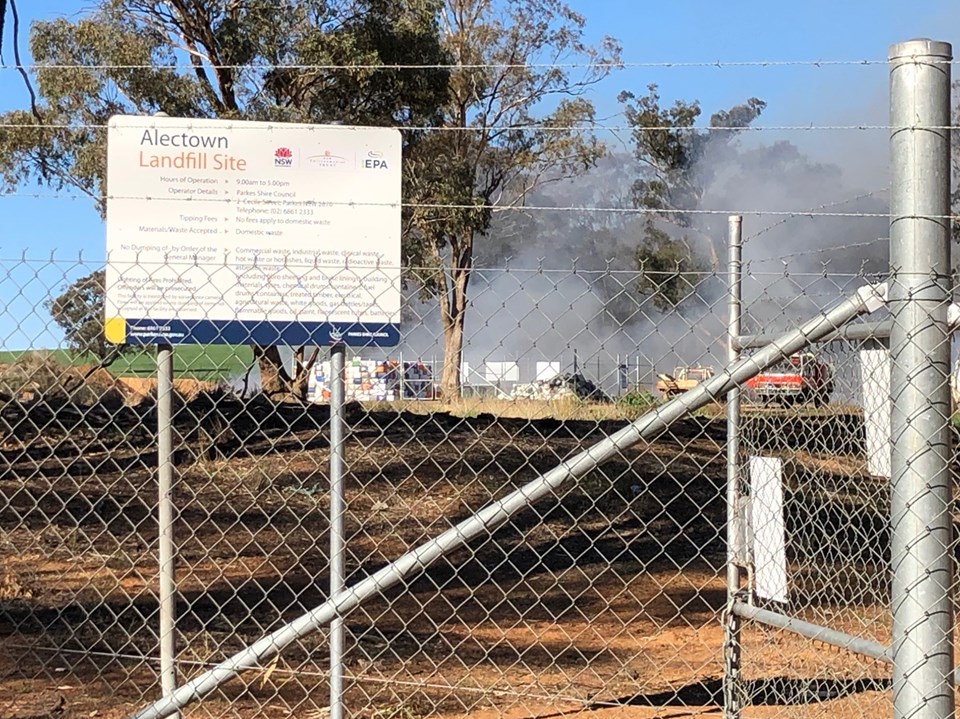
{"points": [[603, 599]]}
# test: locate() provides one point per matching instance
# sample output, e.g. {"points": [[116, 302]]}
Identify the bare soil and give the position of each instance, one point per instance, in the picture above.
{"points": [[604, 600]]}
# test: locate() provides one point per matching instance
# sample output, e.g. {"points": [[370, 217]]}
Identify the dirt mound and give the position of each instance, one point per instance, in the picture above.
{"points": [[139, 387], [40, 375]]}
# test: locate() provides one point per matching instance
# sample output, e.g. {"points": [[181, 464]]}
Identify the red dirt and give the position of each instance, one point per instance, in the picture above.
{"points": [[602, 602]]}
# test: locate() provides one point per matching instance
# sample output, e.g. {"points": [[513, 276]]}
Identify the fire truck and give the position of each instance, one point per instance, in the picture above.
{"points": [[800, 379]]}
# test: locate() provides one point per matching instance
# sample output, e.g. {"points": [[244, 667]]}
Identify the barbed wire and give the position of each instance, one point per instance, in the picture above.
{"points": [[497, 208], [823, 206], [574, 268], [522, 128], [611, 65], [818, 251]]}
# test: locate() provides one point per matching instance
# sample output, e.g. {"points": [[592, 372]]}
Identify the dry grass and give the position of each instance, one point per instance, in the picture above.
{"points": [[567, 408], [140, 387], [40, 374]]}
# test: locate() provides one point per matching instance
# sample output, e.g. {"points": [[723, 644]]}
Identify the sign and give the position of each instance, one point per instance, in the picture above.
{"points": [[769, 533], [252, 233], [501, 372], [546, 371], [877, 408]]}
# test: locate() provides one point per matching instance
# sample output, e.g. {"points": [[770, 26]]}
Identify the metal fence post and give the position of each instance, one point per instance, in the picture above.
{"points": [[732, 688], [337, 506], [920, 288], [166, 515]]}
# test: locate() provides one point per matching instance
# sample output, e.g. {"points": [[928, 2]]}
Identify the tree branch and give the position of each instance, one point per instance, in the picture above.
{"points": [[18, 62]]}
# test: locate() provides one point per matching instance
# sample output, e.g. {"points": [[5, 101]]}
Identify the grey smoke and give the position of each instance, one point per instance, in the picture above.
{"points": [[551, 282]]}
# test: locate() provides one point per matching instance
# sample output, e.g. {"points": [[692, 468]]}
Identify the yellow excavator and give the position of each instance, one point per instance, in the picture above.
{"points": [[682, 379]]}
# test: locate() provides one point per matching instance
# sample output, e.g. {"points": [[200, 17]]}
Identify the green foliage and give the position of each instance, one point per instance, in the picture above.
{"points": [[508, 149], [670, 270], [635, 403], [638, 398], [677, 163], [509, 122], [79, 312], [672, 151], [126, 57]]}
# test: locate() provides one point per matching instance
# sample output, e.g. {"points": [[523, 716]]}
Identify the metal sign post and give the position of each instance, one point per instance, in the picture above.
{"points": [[166, 517], [337, 507]]}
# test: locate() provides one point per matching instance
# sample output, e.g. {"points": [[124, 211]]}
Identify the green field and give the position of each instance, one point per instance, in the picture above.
{"points": [[209, 363]]}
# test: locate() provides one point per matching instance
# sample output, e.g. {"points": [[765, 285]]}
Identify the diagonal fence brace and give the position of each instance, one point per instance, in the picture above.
{"points": [[867, 299]]}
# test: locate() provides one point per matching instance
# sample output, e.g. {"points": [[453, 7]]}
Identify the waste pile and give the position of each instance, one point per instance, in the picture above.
{"points": [[560, 387]]}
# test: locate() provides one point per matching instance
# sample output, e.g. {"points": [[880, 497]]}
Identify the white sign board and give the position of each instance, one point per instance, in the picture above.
{"points": [[546, 371], [877, 407], [501, 372], [252, 232], [766, 517]]}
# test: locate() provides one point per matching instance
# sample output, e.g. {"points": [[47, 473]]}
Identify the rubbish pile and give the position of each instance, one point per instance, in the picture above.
{"points": [[560, 387]]}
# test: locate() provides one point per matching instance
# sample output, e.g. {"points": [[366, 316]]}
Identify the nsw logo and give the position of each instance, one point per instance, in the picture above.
{"points": [[283, 157], [375, 161], [336, 335]]}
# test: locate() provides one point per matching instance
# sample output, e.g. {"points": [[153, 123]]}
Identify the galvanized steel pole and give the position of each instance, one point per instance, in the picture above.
{"points": [[337, 507], [166, 515], [732, 687], [919, 294]]}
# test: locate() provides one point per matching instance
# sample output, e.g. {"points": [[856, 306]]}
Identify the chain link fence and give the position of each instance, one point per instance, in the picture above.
{"points": [[633, 493], [607, 593], [819, 530]]}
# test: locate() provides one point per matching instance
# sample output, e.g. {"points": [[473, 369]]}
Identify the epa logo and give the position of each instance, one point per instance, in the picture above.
{"points": [[374, 161], [283, 157]]}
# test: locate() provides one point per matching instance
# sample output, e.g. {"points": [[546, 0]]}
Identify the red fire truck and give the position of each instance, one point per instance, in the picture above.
{"points": [[801, 379]]}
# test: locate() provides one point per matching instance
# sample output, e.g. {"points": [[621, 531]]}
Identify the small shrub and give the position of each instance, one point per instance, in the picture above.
{"points": [[639, 398], [636, 402]]}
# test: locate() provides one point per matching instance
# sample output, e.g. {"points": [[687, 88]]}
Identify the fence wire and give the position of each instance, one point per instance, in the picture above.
{"points": [[819, 523], [607, 594]]}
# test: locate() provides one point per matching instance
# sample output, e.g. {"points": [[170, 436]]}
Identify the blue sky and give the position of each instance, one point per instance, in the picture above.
{"points": [[651, 32]]}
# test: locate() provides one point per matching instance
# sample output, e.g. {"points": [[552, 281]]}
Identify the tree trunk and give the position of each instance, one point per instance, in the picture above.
{"points": [[453, 310], [450, 380], [303, 366], [274, 379]]}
